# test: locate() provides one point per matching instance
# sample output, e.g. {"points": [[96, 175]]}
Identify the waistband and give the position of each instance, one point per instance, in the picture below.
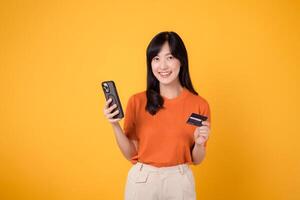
{"points": [[150, 168]]}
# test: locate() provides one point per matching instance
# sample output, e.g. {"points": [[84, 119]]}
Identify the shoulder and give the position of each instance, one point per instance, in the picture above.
{"points": [[139, 95], [138, 98], [200, 104], [197, 99]]}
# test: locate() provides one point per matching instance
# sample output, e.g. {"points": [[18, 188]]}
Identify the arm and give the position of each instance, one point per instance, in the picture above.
{"points": [[201, 135], [128, 147], [198, 153]]}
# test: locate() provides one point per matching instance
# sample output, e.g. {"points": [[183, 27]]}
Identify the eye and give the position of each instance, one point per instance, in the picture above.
{"points": [[155, 59], [170, 57]]}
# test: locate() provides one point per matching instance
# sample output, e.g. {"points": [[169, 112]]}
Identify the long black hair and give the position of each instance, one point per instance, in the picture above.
{"points": [[178, 50]]}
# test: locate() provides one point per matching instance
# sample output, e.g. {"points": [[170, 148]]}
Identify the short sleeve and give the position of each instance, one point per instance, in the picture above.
{"points": [[205, 110], [129, 120]]}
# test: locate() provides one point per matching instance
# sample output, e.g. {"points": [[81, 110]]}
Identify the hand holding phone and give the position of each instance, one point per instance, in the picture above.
{"points": [[113, 108]]}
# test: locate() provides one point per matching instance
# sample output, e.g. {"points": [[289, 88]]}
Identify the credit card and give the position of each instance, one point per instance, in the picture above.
{"points": [[196, 119]]}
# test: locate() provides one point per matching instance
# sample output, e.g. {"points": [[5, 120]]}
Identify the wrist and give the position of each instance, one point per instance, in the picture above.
{"points": [[115, 124], [200, 145]]}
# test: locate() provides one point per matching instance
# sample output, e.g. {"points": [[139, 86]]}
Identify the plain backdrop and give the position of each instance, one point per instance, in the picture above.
{"points": [[56, 144]]}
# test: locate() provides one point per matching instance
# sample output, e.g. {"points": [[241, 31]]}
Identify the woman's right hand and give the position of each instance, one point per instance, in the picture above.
{"points": [[108, 112]]}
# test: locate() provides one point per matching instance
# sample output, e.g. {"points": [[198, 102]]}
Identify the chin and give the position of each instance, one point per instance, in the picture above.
{"points": [[166, 82]]}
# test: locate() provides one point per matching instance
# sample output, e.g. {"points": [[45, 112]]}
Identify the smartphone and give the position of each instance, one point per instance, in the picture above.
{"points": [[110, 91]]}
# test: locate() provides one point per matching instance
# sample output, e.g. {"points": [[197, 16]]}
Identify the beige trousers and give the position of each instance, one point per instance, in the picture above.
{"points": [[147, 182]]}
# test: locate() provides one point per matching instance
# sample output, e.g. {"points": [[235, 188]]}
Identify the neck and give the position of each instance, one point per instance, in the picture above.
{"points": [[170, 91]]}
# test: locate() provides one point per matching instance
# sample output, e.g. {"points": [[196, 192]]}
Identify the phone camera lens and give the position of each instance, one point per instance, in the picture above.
{"points": [[105, 87]]}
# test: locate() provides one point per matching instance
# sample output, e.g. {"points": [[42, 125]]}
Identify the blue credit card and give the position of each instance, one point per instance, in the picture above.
{"points": [[196, 119]]}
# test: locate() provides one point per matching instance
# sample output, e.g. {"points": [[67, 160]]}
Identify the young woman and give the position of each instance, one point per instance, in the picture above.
{"points": [[155, 137]]}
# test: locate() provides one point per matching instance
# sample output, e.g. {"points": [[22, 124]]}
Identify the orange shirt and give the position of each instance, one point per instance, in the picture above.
{"points": [[164, 139]]}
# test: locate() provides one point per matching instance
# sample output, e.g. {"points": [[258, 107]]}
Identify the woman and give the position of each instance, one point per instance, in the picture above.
{"points": [[155, 136]]}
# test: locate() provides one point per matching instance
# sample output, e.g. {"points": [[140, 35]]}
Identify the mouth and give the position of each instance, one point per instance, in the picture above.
{"points": [[165, 74]]}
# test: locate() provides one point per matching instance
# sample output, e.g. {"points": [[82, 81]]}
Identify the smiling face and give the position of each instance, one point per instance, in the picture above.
{"points": [[165, 66]]}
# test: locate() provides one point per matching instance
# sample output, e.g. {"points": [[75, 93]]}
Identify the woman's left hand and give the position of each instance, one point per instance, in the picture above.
{"points": [[201, 133]]}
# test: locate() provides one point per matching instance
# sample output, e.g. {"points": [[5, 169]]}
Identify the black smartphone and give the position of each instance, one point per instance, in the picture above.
{"points": [[110, 91]]}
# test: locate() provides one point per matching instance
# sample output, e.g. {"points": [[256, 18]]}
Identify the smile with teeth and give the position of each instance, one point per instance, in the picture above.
{"points": [[164, 74]]}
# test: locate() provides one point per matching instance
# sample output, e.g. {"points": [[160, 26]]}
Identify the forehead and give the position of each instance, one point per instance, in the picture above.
{"points": [[165, 50]]}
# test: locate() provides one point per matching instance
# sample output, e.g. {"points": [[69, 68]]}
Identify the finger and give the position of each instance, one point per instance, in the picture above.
{"points": [[110, 109], [202, 128], [204, 133], [200, 140], [108, 102], [205, 123], [203, 137], [113, 114], [106, 111], [201, 134]]}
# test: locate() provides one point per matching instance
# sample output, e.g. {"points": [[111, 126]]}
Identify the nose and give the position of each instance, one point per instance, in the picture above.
{"points": [[163, 65]]}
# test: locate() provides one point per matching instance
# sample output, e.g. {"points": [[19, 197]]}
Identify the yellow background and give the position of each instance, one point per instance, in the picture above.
{"points": [[55, 142]]}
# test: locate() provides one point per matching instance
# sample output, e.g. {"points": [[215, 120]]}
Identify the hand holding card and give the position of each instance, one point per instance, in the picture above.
{"points": [[202, 131]]}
